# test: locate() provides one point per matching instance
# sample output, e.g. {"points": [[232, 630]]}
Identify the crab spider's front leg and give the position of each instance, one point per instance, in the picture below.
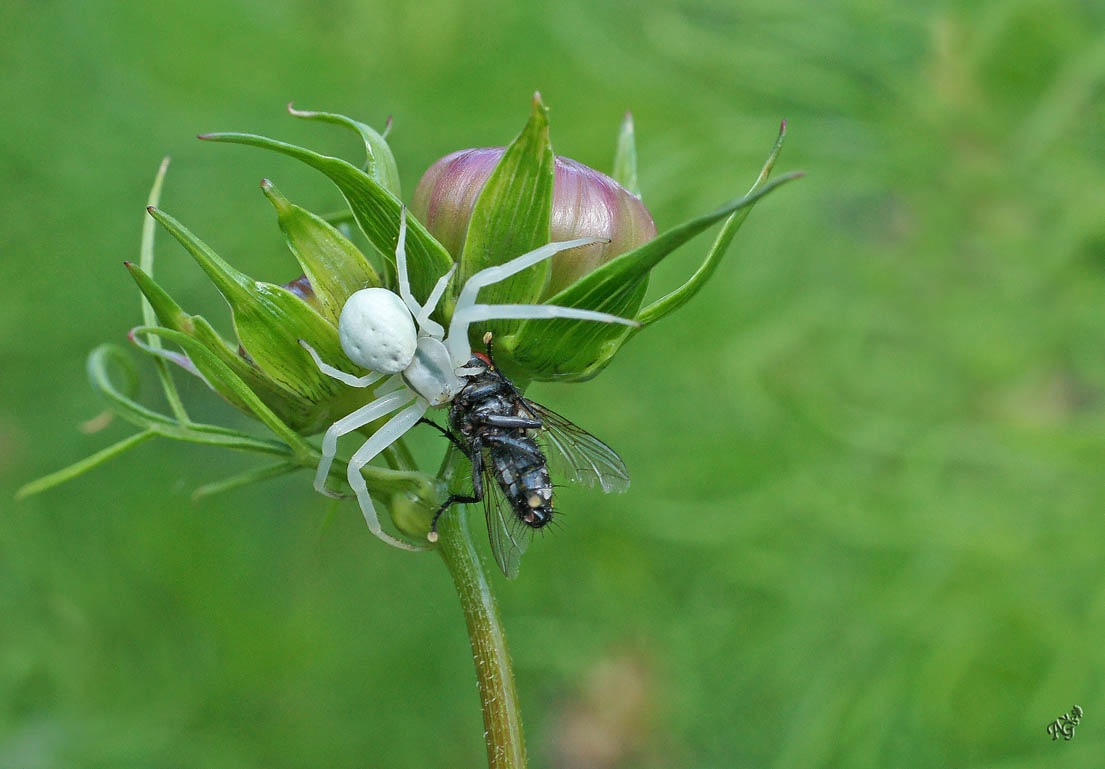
{"points": [[482, 312], [370, 412], [467, 311], [420, 312], [380, 440], [401, 266], [425, 325]]}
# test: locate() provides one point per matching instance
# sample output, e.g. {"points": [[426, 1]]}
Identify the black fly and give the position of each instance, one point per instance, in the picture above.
{"points": [[511, 442]]}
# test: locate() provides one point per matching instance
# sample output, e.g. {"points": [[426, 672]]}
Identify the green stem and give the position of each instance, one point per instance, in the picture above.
{"points": [[502, 718]]}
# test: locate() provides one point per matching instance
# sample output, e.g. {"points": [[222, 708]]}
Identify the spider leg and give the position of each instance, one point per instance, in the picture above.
{"points": [[347, 424], [401, 267], [380, 440], [420, 312], [431, 327], [337, 373], [476, 313], [395, 383], [498, 272], [481, 312], [458, 327]]}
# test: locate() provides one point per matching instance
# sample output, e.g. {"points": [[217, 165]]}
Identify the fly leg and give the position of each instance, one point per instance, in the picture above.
{"points": [[509, 422], [452, 438], [522, 446], [474, 451]]}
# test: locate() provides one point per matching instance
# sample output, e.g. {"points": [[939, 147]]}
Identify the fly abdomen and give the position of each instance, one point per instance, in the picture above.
{"points": [[520, 470]]}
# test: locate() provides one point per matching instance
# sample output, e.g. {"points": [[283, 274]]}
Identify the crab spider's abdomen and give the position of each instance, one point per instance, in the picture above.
{"points": [[377, 331]]}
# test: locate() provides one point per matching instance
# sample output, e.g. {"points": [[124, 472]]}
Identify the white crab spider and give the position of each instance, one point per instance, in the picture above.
{"points": [[390, 333]]}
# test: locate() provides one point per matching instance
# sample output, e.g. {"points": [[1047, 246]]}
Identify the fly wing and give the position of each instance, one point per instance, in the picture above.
{"points": [[577, 455], [504, 530]]}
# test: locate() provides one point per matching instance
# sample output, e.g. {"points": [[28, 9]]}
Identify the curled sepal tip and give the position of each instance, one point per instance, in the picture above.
{"points": [[379, 161]]}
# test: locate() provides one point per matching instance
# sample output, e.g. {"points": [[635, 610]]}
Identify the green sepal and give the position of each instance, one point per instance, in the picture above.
{"points": [[227, 379], [511, 217], [680, 296], [99, 362], [575, 350], [379, 161], [374, 207], [625, 157], [270, 321], [249, 477], [332, 264], [171, 316], [79, 468]]}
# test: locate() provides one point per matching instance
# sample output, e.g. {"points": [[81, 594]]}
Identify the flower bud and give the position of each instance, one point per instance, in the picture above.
{"points": [[586, 203]]}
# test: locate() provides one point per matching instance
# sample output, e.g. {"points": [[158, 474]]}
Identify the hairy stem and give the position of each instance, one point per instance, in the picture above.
{"points": [[502, 719]]}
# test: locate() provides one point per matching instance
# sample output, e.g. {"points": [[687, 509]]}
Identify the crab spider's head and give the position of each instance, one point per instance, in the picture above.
{"points": [[432, 373], [377, 331]]}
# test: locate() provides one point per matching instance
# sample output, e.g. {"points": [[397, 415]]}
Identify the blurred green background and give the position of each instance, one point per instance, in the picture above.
{"points": [[865, 528]]}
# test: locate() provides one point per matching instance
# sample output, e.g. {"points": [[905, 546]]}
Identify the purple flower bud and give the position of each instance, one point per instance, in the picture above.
{"points": [[302, 288], [586, 203]]}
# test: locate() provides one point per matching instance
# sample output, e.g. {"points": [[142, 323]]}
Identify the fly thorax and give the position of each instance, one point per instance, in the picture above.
{"points": [[430, 374]]}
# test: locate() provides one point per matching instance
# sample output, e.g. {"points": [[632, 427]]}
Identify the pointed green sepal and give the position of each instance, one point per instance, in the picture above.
{"points": [[270, 327], [164, 307], [106, 357], [379, 161], [228, 380], [680, 296], [281, 400], [574, 350], [374, 207], [235, 286], [334, 267], [512, 215], [625, 157], [270, 322]]}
